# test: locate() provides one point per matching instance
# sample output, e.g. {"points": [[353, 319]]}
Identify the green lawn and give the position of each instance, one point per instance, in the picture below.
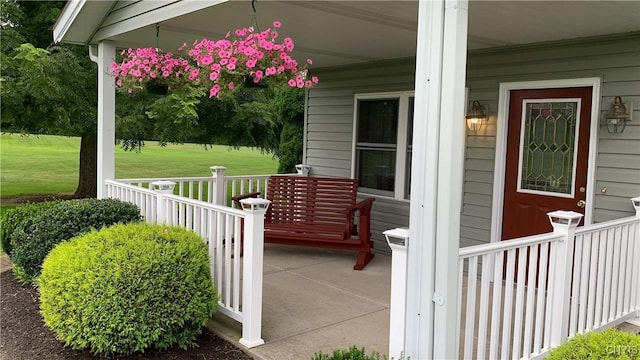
{"points": [[49, 164]]}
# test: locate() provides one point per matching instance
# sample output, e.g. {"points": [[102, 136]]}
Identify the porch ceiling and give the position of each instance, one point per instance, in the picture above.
{"points": [[341, 32]]}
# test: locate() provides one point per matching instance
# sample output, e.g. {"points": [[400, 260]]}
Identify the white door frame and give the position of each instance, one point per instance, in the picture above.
{"points": [[501, 143]]}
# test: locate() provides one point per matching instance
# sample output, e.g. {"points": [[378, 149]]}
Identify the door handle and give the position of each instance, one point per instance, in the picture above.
{"points": [[581, 204]]}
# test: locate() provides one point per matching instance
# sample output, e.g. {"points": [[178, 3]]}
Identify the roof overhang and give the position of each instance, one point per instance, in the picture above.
{"points": [[338, 32]]}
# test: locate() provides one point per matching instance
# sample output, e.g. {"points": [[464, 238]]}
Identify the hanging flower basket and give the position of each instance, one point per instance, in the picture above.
{"points": [[244, 58]]}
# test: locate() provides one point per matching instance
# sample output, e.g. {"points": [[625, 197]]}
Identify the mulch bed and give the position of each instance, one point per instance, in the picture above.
{"points": [[23, 334]]}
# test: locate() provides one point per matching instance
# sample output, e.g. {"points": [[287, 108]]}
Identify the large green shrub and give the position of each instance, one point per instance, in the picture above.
{"points": [[608, 344], [127, 288], [36, 235], [12, 218]]}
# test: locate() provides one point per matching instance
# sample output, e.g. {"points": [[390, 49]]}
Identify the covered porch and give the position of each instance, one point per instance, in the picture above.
{"points": [[313, 301], [288, 302], [438, 34]]}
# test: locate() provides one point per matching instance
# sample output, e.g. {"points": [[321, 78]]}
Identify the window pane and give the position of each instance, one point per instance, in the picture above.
{"points": [[376, 169], [407, 182], [378, 121], [548, 147]]}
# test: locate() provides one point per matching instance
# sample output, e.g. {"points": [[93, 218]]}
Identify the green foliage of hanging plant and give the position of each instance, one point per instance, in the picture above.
{"points": [[127, 288]]}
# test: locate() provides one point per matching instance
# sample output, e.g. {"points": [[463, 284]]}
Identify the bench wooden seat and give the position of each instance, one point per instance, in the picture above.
{"points": [[319, 212]]}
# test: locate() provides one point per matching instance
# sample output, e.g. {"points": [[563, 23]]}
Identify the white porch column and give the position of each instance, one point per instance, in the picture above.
{"points": [[106, 116], [436, 186], [252, 265]]}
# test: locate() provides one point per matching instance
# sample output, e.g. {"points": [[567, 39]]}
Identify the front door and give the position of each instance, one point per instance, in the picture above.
{"points": [[547, 157]]}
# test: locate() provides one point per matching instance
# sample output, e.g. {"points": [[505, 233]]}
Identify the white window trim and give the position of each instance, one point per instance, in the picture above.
{"points": [[501, 143], [401, 141]]}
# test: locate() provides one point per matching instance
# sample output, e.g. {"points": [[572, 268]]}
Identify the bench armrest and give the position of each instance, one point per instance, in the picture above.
{"points": [[236, 199], [364, 205]]}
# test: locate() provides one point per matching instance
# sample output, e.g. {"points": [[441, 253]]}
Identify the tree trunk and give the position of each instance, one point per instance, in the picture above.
{"points": [[88, 175]]}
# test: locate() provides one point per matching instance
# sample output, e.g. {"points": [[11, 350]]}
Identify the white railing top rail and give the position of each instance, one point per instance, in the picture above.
{"points": [[176, 179], [130, 187], [220, 208], [606, 224], [484, 249], [196, 178]]}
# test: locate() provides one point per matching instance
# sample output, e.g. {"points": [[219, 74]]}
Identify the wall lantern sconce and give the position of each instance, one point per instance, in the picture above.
{"points": [[477, 116], [618, 115]]}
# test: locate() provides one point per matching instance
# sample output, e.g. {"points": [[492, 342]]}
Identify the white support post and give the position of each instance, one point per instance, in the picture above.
{"points": [[636, 204], [436, 187], [303, 169], [162, 188], [106, 116], [252, 265], [564, 223], [218, 195], [398, 240]]}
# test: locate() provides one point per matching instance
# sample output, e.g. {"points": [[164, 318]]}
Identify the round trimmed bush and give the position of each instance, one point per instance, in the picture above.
{"points": [[608, 344], [36, 235], [127, 288], [12, 218]]}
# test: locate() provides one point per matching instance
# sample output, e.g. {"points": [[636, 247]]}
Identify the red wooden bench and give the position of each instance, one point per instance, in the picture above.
{"points": [[318, 212]]}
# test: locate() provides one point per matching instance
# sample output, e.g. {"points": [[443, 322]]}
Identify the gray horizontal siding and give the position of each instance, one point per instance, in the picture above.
{"points": [[615, 59], [329, 129]]}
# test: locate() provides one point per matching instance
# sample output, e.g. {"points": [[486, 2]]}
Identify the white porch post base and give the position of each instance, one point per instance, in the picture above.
{"points": [[303, 169], [398, 240], [217, 195], [162, 188], [636, 204], [106, 117], [564, 223], [252, 264]]}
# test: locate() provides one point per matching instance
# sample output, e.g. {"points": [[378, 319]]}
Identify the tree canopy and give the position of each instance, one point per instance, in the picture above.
{"points": [[52, 89]]}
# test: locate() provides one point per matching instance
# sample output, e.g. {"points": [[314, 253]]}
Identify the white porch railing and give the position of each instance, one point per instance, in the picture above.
{"points": [[522, 297], [238, 279], [217, 189]]}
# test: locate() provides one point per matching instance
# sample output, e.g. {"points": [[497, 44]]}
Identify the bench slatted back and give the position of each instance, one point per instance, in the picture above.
{"points": [[317, 200]]}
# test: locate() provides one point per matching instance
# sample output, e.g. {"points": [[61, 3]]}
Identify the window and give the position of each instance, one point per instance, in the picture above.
{"points": [[382, 143]]}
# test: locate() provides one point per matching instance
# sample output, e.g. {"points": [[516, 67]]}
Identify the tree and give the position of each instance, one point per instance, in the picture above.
{"points": [[46, 88], [52, 89]]}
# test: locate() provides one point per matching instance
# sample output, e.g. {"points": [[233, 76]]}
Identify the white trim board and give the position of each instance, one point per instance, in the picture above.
{"points": [[501, 143]]}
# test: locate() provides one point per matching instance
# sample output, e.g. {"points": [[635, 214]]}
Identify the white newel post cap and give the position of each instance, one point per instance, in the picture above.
{"points": [[255, 204], [398, 238], [564, 220], [303, 169], [215, 170], [163, 186], [636, 204]]}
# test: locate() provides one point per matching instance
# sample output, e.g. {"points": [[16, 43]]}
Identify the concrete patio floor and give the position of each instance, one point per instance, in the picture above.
{"points": [[314, 301]]}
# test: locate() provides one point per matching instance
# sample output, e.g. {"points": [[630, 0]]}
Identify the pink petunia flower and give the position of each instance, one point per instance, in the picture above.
{"points": [[277, 24], [214, 90], [194, 74]]}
